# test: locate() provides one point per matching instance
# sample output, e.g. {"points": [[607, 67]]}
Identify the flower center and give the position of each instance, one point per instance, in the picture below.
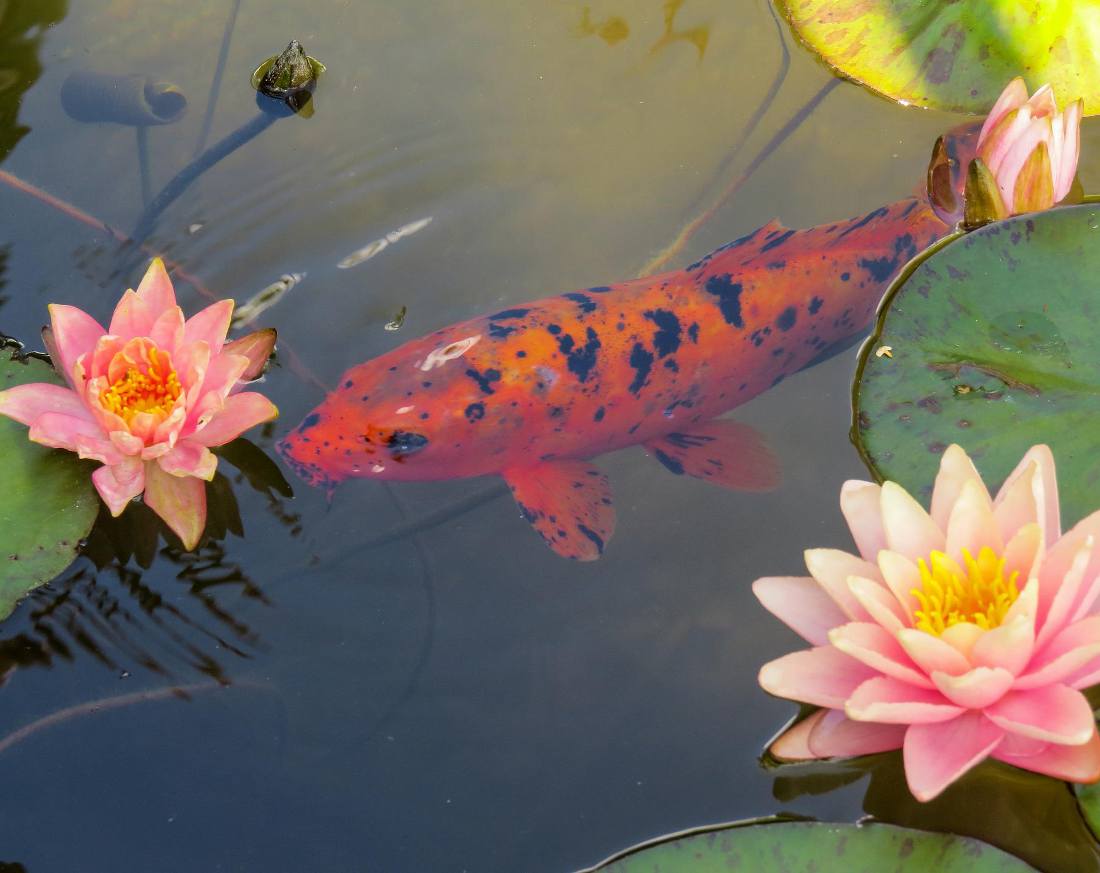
{"points": [[152, 388], [979, 594]]}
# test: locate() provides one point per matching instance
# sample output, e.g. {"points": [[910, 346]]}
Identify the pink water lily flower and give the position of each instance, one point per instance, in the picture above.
{"points": [[957, 634], [1031, 148], [147, 398]]}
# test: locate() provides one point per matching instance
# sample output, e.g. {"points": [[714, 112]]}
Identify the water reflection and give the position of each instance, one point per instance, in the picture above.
{"points": [[107, 605]]}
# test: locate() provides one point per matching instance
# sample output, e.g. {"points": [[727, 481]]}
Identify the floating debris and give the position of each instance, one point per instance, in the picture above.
{"points": [[249, 311], [289, 77], [884, 352], [375, 246], [398, 319]]}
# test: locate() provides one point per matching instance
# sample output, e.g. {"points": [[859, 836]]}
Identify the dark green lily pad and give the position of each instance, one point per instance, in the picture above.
{"points": [[47, 501], [813, 847], [992, 345], [954, 54]]}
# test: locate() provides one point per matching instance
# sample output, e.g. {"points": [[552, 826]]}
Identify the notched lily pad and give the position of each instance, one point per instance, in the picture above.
{"points": [[955, 54], [47, 501], [994, 348], [812, 847]]}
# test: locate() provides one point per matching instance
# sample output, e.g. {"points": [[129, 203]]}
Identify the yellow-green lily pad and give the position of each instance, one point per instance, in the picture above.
{"points": [[47, 500], [956, 54]]}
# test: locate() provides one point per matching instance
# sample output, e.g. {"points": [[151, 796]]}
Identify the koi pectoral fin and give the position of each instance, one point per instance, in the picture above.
{"points": [[723, 452], [568, 503]]}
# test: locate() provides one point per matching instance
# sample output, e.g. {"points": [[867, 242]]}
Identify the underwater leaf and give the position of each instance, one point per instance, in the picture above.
{"points": [[955, 54], [48, 503], [1088, 799], [994, 347], [804, 846]]}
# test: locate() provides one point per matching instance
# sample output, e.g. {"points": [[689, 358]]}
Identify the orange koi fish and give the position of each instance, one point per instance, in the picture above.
{"points": [[532, 392]]}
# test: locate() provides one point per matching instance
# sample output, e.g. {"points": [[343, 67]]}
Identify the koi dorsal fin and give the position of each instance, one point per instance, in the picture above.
{"points": [[724, 452], [568, 503]]}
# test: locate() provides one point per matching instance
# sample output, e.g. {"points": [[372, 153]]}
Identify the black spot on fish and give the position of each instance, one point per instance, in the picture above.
{"points": [[693, 332], [729, 298], [484, 380], [580, 360], [599, 289], [909, 209], [667, 338], [815, 305], [787, 318], [844, 277], [509, 313], [557, 411], [671, 364], [311, 420], [586, 303], [599, 414], [554, 328], [404, 442], [778, 241], [475, 412], [670, 462], [425, 415], [425, 384], [349, 384], [776, 265], [642, 362], [500, 331], [867, 219], [592, 535], [521, 354]]}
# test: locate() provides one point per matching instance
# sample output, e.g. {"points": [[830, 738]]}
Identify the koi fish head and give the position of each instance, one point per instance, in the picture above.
{"points": [[409, 414]]}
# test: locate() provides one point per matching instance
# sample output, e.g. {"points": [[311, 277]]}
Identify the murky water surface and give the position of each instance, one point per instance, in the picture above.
{"points": [[406, 678]]}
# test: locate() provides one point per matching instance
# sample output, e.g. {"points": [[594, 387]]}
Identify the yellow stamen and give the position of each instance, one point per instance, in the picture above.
{"points": [[155, 388], [949, 595]]}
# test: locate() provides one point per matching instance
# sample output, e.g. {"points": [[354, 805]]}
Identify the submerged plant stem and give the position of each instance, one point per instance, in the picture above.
{"points": [[216, 84], [681, 240]]}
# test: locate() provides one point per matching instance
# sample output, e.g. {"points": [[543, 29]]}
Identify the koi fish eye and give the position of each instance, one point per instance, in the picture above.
{"points": [[404, 442]]}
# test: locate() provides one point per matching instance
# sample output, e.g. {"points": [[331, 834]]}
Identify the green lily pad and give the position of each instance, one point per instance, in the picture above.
{"points": [[813, 847], [992, 345], [955, 54], [47, 501]]}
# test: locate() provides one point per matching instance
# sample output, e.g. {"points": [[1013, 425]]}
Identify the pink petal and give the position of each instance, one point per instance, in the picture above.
{"points": [[210, 325], [1044, 493], [1069, 650], [799, 602], [1022, 552], [1012, 97], [1065, 576], [832, 568], [74, 334], [972, 525], [1016, 156], [936, 755], [793, 743], [1055, 713], [956, 469], [1042, 102], [1066, 169], [156, 289], [1002, 138], [221, 375], [932, 654], [879, 603], [257, 347], [901, 576], [60, 431], [1017, 503], [1008, 646], [126, 443], [179, 500], [977, 689], [25, 403], [859, 502], [834, 735], [962, 637], [167, 331], [131, 317], [1071, 763], [120, 483], [878, 649], [889, 701], [822, 676], [189, 459], [909, 529], [241, 412]]}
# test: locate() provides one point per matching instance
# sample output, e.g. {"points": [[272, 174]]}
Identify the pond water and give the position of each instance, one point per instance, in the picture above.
{"points": [[406, 678]]}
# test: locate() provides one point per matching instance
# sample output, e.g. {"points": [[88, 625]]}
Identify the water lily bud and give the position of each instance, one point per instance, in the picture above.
{"points": [[983, 202], [1031, 148]]}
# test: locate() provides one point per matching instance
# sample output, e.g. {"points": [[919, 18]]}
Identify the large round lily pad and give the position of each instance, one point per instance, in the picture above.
{"points": [[47, 501], [814, 847], [956, 54], [991, 343]]}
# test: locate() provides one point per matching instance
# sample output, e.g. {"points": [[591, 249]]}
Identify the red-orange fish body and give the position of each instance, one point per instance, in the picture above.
{"points": [[532, 391]]}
